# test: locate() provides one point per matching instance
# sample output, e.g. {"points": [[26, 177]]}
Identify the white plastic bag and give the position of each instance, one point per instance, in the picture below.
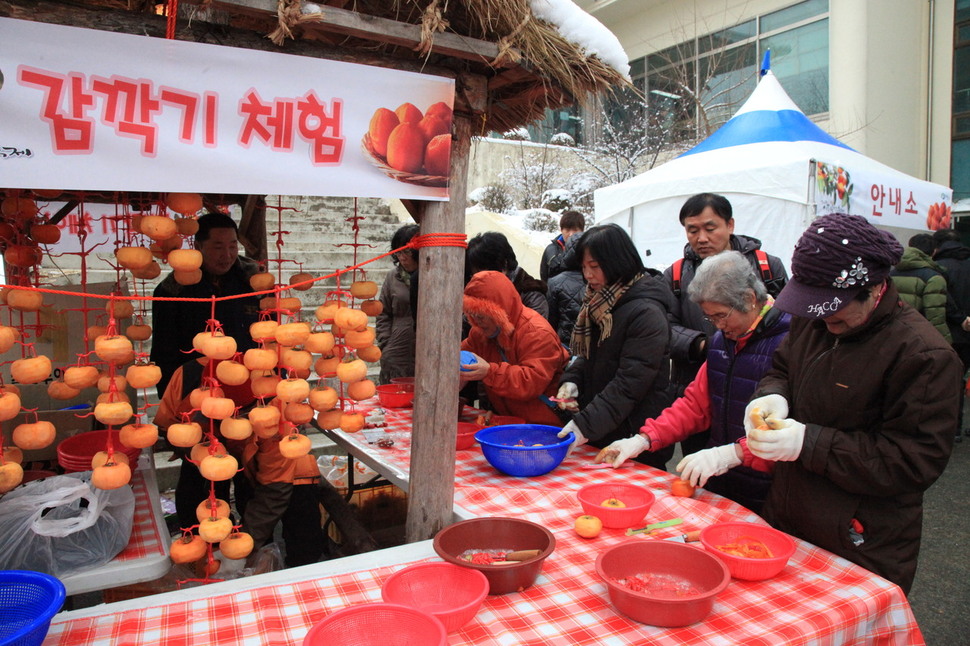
{"points": [[61, 525]]}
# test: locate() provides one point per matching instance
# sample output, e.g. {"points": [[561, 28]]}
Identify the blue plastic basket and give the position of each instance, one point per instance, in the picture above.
{"points": [[512, 448], [28, 601]]}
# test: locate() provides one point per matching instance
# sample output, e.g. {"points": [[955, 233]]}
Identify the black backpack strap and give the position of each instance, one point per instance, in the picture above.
{"points": [[675, 272]]}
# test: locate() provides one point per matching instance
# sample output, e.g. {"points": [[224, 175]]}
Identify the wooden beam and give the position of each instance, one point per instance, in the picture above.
{"points": [[442, 269], [383, 30]]}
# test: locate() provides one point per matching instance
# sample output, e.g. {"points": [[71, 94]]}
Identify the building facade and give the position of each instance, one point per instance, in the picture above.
{"points": [[891, 78]]}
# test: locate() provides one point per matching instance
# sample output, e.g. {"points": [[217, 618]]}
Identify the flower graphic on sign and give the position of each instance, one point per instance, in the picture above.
{"points": [[833, 181]]}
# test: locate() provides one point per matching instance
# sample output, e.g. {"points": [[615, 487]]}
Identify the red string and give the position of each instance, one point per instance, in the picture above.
{"points": [[172, 13], [426, 240]]}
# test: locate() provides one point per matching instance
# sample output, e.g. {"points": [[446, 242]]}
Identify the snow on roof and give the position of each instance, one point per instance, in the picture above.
{"points": [[577, 26]]}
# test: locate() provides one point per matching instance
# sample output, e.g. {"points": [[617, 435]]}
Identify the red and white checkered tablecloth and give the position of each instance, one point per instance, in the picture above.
{"points": [[818, 599], [145, 541]]}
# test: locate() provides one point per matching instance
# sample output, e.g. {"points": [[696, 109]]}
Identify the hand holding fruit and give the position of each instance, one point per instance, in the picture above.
{"points": [[769, 406], [782, 443], [699, 467], [622, 450]]}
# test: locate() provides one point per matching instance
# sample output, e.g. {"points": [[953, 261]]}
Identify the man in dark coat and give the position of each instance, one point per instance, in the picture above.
{"points": [[571, 223], [708, 221], [861, 402], [224, 273]]}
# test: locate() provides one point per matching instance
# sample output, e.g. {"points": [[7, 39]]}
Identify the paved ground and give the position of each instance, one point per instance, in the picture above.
{"points": [[941, 593]]}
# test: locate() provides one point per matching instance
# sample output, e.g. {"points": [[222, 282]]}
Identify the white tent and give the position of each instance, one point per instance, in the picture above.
{"points": [[779, 170]]}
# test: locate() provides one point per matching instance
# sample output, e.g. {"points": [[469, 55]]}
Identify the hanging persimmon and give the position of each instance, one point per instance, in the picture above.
{"points": [[138, 436], [111, 475], [187, 226], [351, 370], [295, 445], [61, 391], [323, 398], [232, 373], [31, 436], [184, 434], [133, 257], [185, 259], [216, 508], [360, 338], [326, 312], [319, 342], [301, 281], [25, 300], [21, 255], [138, 332], [31, 370], [102, 457], [238, 545], [184, 203], [218, 468], [236, 428], [298, 413], [81, 377], [349, 318], [149, 272], [158, 227], [372, 308], [259, 359], [113, 413], [370, 353], [262, 281], [187, 548], [143, 375], [45, 233], [364, 289], [361, 390], [292, 334], [114, 348], [8, 336]]}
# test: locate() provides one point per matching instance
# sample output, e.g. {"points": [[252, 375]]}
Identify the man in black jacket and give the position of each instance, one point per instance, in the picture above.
{"points": [[571, 223], [708, 221], [224, 273]]}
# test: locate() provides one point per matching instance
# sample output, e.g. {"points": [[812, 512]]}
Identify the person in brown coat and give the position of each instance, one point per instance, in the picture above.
{"points": [[861, 402]]}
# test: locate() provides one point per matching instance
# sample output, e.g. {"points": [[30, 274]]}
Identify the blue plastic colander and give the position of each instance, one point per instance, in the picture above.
{"points": [[523, 449], [28, 601]]}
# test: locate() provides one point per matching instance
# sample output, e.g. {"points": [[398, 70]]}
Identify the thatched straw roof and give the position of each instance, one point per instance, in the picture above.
{"points": [[526, 65]]}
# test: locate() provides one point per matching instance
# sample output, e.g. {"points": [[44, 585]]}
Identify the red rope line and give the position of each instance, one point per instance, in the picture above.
{"points": [[417, 242], [439, 240]]}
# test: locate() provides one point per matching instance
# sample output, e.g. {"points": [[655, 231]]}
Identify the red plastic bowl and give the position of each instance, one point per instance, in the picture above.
{"points": [[782, 546], [673, 562], [637, 500], [396, 395], [377, 624], [496, 533], [452, 594], [466, 435], [74, 453]]}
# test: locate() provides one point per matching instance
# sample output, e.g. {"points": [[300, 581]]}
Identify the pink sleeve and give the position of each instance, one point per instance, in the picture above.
{"points": [[752, 461], [687, 415]]}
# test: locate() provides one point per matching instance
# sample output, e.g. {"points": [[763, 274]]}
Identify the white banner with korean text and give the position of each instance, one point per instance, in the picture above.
{"points": [[890, 199], [95, 110]]}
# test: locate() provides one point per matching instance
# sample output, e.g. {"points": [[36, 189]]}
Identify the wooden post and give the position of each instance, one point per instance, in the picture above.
{"points": [[442, 269]]}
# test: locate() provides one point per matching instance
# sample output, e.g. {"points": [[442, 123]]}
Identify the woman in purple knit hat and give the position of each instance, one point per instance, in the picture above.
{"points": [[861, 402]]}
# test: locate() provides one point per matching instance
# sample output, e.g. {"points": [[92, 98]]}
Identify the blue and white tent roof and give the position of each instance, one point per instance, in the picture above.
{"points": [[769, 114]]}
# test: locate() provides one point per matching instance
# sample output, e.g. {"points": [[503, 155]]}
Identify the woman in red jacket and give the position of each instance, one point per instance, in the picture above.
{"points": [[519, 358]]}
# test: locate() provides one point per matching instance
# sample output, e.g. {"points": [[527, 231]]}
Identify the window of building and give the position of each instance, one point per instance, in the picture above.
{"points": [[960, 152], [721, 68]]}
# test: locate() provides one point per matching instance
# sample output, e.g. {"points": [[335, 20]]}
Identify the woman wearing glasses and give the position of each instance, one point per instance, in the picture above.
{"points": [[735, 301], [621, 370]]}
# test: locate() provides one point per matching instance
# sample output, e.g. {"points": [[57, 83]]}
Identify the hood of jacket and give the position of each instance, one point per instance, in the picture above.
{"points": [[952, 249], [744, 244], [913, 258], [492, 294]]}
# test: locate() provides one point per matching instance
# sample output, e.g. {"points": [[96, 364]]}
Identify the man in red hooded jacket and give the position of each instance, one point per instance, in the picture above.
{"points": [[519, 357]]}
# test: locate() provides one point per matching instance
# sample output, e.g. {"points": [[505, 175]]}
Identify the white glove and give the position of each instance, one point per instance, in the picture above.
{"points": [[570, 391], [782, 443], [622, 450], [579, 438], [768, 406], [698, 467]]}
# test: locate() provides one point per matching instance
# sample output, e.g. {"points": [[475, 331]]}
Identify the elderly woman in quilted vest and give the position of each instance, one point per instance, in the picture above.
{"points": [[736, 302]]}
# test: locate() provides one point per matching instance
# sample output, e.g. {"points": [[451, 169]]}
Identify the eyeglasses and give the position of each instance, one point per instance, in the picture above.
{"points": [[717, 319]]}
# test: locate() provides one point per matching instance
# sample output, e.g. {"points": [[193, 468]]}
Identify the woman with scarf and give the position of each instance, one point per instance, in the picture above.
{"points": [[621, 367], [736, 302]]}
